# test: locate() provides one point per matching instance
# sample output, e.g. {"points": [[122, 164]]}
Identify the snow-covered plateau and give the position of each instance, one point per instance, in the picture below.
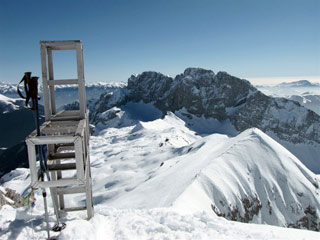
{"points": [[161, 180]]}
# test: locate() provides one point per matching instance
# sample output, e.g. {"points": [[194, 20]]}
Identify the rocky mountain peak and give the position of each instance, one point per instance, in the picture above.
{"points": [[198, 72], [201, 93], [148, 86]]}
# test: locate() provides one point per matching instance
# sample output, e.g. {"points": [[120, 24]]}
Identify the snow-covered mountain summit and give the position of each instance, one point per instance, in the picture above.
{"points": [[248, 178], [163, 164], [199, 93]]}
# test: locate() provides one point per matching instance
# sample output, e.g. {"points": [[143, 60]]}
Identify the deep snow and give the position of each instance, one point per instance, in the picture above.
{"points": [[158, 180]]}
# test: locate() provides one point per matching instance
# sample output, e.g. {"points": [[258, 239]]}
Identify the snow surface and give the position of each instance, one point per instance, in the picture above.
{"points": [[206, 126], [136, 224], [159, 180], [9, 104]]}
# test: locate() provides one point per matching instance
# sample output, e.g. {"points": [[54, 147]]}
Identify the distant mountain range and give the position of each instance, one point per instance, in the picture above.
{"points": [[17, 121], [66, 93], [304, 92], [293, 84], [233, 103], [300, 84], [201, 141]]}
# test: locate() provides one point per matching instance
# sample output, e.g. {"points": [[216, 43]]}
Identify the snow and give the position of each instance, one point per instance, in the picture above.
{"points": [[218, 168], [205, 126], [289, 89], [304, 92], [66, 94], [302, 151], [18, 179], [142, 111], [159, 180], [9, 104], [137, 224], [164, 223]]}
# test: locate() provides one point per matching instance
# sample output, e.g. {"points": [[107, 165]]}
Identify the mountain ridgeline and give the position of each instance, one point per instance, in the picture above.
{"points": [[202, 93], [159, 151]]}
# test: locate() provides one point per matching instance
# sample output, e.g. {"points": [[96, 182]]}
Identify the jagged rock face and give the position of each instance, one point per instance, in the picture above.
{"points": [[220, 96], [251, 209], [149, 86], [106, 101], [287, 119], [200, 91], [12, 198], [252, 113]]}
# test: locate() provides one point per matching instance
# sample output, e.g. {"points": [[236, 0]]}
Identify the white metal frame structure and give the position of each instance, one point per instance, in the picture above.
{"points": [[65, 134], [49, 82]]}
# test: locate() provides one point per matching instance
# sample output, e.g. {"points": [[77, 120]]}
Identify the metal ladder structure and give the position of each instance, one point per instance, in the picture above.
{"points": [[65, 135]]}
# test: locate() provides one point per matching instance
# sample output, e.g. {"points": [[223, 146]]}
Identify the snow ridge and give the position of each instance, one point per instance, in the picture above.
{"points": [[248, 178], [159, 179]]}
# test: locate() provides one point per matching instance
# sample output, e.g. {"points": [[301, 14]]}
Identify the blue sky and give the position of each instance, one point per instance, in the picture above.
{"points": [[264, 40]]}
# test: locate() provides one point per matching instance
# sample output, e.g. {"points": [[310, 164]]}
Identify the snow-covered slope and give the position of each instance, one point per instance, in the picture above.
{"points": [[162, 163], [8, 89], [159, 179], [9, 104], [171, 178], [249, 178]]}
